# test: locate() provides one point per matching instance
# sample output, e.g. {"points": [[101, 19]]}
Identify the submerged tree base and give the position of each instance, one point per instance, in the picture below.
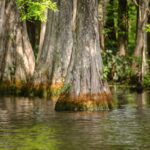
{"points": [[86, 102], [28, 89]]}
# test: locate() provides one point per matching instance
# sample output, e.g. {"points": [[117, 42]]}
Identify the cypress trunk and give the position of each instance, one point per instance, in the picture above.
{"points": [[16, 56], [141, 39], [42, 35], [123, 27], [148, 38], [101, 25], [102, 17], [2, 45], [83, 88], [54, 56]]}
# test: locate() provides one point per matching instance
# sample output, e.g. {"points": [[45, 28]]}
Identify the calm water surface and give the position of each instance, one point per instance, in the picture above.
{"points": [[32, 124]]}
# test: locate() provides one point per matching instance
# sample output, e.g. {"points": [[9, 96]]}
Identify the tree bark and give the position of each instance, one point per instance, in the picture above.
{"points": [[141, 40], [148, 38], [16, 56], [42, 35], [123, 27], [2, 11], [105, 4], [101, 25], [54, 58], [83, 87], [102, 17]]}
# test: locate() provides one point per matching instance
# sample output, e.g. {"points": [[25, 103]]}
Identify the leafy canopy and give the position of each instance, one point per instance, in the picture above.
{"points": [[35, 9]]}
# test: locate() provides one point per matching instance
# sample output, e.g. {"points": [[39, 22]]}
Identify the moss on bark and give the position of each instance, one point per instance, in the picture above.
{"points": [[86, 102]]}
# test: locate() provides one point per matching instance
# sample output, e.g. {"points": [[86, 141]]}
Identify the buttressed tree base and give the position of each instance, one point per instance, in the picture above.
{"points": [[85, 102], [86, 89]]}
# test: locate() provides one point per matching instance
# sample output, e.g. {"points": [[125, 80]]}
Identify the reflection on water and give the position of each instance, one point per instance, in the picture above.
{"points": [[27, 124]]}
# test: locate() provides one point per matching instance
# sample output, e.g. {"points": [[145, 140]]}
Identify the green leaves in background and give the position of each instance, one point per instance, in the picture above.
{"points": [[35, 9], [147, 28], [116, 68]]}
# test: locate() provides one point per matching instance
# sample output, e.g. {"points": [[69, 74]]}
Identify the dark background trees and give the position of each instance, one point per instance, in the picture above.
{"points": [[126, 35]]}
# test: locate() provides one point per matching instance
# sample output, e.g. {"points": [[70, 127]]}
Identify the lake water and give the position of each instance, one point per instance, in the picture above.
{"points": [[32, 124]]}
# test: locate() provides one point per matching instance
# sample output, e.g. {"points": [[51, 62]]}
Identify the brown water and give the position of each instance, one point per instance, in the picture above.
{"points": [[27, 124]]}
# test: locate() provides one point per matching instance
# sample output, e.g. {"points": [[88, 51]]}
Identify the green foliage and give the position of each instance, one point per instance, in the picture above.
{"points": [[147, 28], [12, 69], [35, 9], [105, 72], [146, 80], [11, 36], [112, 30], [132, 20], [116, 68], [111, 24], [66, 88], [36, 48]]}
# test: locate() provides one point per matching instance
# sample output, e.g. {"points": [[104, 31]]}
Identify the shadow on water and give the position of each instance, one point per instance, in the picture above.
{"points": [[32, 124]]}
